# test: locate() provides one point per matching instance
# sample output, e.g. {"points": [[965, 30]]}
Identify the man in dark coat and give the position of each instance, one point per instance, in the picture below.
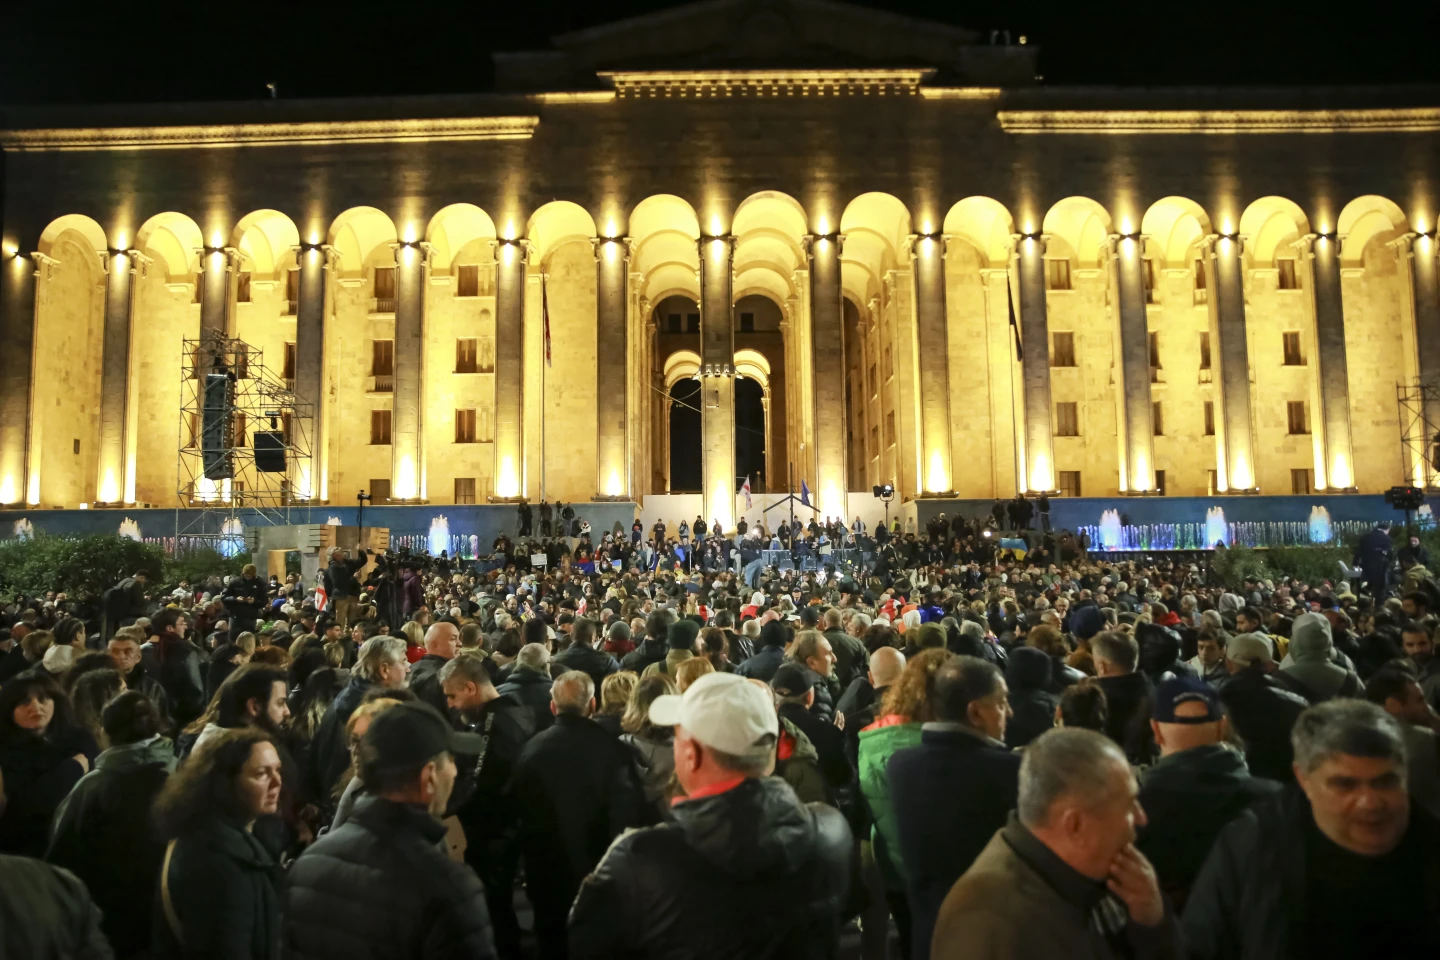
{"points": [[529, 683], [851, 657], [576, 791], [177, 665], [125, 601], [651, 649], [1261, 710], [378, 885], [1372, 556], [774, 637], [952, 792], [740, 838], [1345, 866], [442, 642], [1127, 694], [584, 655], [794, 686], [485, 802], [244, 599], [1199, 784], [343, 590]]}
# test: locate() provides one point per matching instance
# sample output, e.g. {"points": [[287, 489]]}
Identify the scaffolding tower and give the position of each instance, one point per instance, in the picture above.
{"points": [[245, 455], [1419, 403]]}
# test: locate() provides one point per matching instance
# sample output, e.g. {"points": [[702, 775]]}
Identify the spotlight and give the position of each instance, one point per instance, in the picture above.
{"points": [[884, 492]]}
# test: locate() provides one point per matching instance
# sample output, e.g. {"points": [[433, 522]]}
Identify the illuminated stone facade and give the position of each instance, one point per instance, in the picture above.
{"points": [[1216, 288]]}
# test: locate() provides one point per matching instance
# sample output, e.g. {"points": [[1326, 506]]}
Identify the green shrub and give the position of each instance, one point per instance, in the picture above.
{"points": [[1235, 564], [83, 567], [1307, 564]]}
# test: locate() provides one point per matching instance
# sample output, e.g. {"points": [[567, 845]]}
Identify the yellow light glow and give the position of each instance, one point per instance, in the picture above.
{"points": [[109, 487], [936, 479], [610, 229], [206, 491], [1041, 473], [717, 227], [32, 493], [822, 224], [406, 485], [122, 240], [84, 506], [1340, 475], [9, 249], [217, 239], [614, 487], [508, 483], [507, 256], [410, 234], [7, 489], [1127, 226]]}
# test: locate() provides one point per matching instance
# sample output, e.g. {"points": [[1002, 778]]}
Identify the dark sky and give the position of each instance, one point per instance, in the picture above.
{"points": [[109, 52]]}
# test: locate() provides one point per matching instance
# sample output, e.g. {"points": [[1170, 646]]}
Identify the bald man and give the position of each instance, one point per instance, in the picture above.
{"points": [[864, 696], [442, 642]]}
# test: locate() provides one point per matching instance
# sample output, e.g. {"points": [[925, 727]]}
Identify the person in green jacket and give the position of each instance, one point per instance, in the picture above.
{"points": [[905, 708]]}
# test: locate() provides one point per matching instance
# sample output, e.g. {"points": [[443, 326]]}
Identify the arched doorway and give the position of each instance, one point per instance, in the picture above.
{"points": [[750, 432], [685, 472]]}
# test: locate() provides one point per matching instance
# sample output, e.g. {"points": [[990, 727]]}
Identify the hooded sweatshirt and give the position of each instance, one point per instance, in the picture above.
{"points": [[1311, 666]]}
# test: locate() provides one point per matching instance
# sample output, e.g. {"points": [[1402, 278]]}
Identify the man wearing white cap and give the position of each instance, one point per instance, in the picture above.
{"points": [[739, 838]]}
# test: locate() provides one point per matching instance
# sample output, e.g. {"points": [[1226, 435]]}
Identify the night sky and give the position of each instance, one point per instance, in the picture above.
{"points": [[207, 51]]}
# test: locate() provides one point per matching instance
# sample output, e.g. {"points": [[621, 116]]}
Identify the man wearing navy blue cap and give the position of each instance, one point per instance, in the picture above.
{"points": [[1199, 784]]}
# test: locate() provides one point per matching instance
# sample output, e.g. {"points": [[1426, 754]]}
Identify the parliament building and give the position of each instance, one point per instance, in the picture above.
{"points": [[922, 266]]}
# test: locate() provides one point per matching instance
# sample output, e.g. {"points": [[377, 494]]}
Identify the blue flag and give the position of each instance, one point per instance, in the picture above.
{"points": [[804, 493]]}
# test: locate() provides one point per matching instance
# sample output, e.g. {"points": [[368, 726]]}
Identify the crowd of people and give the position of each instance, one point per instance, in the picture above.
{"points": [[948, 751]]}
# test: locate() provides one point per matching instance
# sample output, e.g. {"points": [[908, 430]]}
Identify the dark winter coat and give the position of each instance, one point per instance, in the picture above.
{"points": [[763, 665], [576, 790], [329, 752], [1027, 673], [424, 681], [46, 912], [736, 851], [179, 667], [650, 650], [1249, 902], [224, 887], [38, 774], [103, 834], [532, 690], [948, 797], [1130, 702], [1263, 713], [380, 887], [597, 663], [1188, 798]]}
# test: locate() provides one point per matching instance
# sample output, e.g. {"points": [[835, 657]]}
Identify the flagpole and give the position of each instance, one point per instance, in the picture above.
{"points": [[544, 362]]}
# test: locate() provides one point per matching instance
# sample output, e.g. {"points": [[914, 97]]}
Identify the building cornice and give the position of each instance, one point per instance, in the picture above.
{"points": [[767, 83], [1130, 122], [268, 134]]}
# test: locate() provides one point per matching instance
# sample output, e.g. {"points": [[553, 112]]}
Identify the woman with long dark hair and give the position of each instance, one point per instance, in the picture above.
{"points": [[43, 753], [218, 883]]}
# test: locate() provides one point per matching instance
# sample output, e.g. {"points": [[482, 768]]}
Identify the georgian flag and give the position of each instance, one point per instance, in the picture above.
{"points": [[745, 489]]}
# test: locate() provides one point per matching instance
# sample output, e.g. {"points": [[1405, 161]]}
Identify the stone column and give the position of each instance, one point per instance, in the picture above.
{"points": [[215, 292], [1333, 375], [933, 364], [313, 262], [115, 374], [1035, 367], [22, 303], [509, 366], [717, 378], [612, 266], [828, 364], [1227, 332], [1138, 435], [407, 463]]}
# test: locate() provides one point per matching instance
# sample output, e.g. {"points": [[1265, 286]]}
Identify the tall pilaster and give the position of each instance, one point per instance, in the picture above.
{"points": [[1137, 436], [932, 364], [407, 464], [717, 378], [509, 366], [1035, 366], [1006, 410], [612, 266], [828, 365], [1333, 375], [314, 262], [17, 332], [113, 465], [1227, 331], [215, 270]]}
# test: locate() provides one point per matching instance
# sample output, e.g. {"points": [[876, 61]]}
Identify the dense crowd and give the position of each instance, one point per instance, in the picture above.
{"points": [[604, 747]]}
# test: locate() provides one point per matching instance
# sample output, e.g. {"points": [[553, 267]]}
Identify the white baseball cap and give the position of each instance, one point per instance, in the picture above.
{"points": [[722, 710]]}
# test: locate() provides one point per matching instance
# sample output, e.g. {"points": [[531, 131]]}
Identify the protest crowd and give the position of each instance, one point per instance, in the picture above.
{"points": [[816, 741]]}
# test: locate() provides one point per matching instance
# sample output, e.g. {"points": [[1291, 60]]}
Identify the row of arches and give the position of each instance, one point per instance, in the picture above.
{"points": [[770, 233]]}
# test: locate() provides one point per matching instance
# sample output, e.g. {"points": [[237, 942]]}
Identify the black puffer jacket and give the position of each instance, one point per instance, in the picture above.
{"points": [[754, 844], [379, 887], [651, 650], [597, 663], [222, 882], [1160, 653]]}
